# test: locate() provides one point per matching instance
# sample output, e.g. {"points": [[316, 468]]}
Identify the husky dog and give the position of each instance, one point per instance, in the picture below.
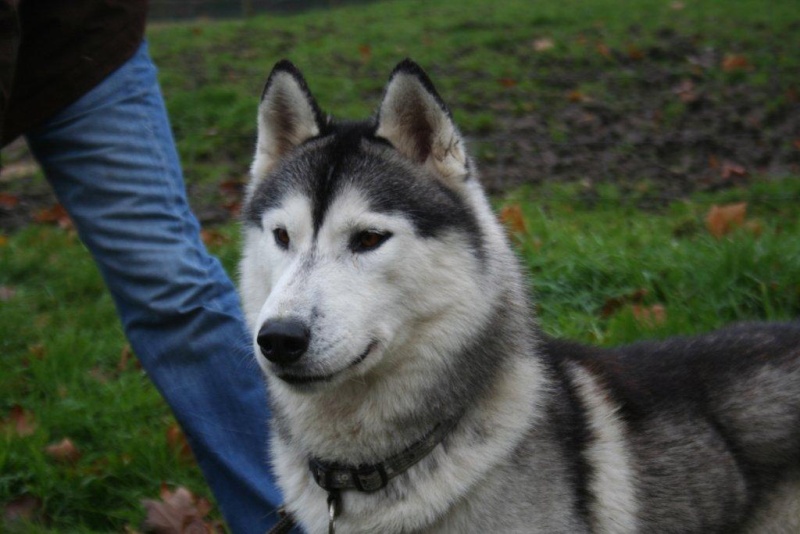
{"points": [[411, 389]]}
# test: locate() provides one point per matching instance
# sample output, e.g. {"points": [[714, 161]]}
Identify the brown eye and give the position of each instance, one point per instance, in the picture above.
{"points": [[368, 240], [281, 237]]}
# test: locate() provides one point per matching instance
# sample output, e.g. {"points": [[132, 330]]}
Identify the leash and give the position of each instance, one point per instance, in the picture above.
{"points": [[334, 477]]}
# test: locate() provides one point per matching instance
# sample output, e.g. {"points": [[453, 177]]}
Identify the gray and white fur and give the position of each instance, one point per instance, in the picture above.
{"points": [[383, 298]]}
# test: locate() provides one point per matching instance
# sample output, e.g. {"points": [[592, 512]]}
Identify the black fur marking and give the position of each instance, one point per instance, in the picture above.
{"points": [[572, 429]]}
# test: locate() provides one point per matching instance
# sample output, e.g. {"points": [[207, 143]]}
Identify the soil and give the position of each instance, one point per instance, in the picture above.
{"points": [[659, 123]]}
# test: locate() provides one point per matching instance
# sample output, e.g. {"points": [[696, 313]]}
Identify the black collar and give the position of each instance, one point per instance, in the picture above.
{"points": [[372, 477]]}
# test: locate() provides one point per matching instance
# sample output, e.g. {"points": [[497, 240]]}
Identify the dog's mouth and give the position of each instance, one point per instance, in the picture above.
{"points": [[302, 379]]}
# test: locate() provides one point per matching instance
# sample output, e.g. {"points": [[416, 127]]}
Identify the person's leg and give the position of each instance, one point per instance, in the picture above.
{"points": [[112, 161]]}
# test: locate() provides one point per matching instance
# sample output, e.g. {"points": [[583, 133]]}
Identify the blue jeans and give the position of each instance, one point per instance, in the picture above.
{"points": [[111, 159]]}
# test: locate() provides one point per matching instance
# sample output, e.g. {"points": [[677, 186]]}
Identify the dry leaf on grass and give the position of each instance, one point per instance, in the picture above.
{"points": [[178, 512], [722, 220], [19, 422], [650, 316], [64, 451], [511, 216]]}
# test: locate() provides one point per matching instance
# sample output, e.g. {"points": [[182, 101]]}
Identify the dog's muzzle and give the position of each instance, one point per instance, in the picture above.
{"points": [[283, 341]]}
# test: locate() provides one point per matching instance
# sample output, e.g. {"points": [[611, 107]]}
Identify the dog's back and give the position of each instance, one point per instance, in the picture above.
{"points": [[711, 425]]}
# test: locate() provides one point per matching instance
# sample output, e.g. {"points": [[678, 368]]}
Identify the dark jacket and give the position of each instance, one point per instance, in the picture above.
{"points": [[53, 51]]}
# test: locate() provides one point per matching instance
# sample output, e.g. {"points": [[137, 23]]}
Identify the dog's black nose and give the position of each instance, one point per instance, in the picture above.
{"points": [[283, 341]]}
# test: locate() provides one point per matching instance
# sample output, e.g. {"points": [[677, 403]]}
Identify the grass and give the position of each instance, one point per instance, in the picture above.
{"points": [[597, 261]]}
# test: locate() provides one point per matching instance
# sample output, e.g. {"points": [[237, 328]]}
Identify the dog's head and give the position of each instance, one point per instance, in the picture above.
{"points": [[364, 242]]}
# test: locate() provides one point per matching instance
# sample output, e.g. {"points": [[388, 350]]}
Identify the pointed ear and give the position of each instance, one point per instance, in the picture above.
{"points": [[287, 116], [413, 118]]}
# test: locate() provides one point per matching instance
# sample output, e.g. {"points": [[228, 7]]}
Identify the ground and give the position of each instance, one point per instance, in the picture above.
{"points": [[660, 113]]}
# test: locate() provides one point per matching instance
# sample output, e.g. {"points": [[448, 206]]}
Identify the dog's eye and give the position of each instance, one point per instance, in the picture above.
{"points": [[368, 240], [281, 237]]}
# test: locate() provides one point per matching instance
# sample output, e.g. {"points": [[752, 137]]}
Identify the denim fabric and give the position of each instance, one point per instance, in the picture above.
{"points": [[111, 160]]}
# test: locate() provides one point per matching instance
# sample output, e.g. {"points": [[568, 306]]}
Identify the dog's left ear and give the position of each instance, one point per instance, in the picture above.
{"points": [[413, 118], [287, 115]]}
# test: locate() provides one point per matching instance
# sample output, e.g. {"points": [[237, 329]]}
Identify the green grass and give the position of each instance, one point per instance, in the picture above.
{"points": [[213, 72], [586, 246]]}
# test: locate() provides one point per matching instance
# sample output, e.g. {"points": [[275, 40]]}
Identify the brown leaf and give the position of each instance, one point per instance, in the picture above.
{"points": [[650, 316], [511, 216], [734, 62], [686, 91], [176, 440], [23, 508], [8, 200], [721, 220], [178, 512], [604, 50], [635, 53], [56, 214], [64, 451], [713, 162], [507, 82], [677, 6], [365, 51], [3, 240], [796, 143], [613, 304], [730, 170], [19, 422], [576, 96], [213, 237], [124, 358]]}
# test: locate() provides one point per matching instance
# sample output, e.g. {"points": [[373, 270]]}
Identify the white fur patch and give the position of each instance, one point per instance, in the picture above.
{"points": [[613, 483]]}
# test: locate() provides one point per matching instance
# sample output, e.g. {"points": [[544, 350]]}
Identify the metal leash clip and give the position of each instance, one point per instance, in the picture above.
{"points": [[334, 508]]}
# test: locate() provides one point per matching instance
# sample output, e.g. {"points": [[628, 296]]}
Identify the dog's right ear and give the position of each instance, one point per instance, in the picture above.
{"points": [[287, 116]]}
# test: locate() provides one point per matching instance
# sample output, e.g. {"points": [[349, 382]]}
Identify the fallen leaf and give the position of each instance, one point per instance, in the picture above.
{"points": [[635, 53], [124, 358], [507, 82], [734, 62], [511, 216], [213, 237], [721, 220], [3, 240], [650, 316], [64, 451], [19, 422], [603, 50], [730, 170], [577, 96], [713, 162], [543, 44], [613, 304], [176, 440], [686, 91], [677, 6], [23, 508], [8, 200], [178, 512], [55, 214], [796, 144], [365, 51]]}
